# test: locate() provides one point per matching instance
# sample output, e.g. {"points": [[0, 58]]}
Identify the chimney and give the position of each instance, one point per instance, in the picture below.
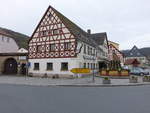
{"points": [[89, 31]]}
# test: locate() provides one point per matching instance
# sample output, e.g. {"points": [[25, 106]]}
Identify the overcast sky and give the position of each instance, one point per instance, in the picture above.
{"points": [[126, 22]]}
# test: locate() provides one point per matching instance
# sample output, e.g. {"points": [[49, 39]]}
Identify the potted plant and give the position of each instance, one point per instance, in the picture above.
{"points": [[146, 79], [106, 80], [133, 79]]}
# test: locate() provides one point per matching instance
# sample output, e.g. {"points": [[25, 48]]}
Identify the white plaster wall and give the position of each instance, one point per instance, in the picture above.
{"points": [[22, 50], [80, 55], [72, 63], [7, 45]]}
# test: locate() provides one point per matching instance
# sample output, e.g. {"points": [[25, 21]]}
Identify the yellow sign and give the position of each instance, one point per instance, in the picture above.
{"points": [[80, 70]]}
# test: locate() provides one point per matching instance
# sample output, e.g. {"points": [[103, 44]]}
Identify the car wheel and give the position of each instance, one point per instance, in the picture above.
{"points": [[141, 74]]}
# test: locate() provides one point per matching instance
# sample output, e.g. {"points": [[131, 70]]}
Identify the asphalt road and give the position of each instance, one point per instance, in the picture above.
{"points": [[28, 99]]}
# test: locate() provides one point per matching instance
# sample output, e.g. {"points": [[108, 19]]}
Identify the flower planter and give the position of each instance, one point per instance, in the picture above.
{"points": [[106, 80], [146, 79], [133, 79]]}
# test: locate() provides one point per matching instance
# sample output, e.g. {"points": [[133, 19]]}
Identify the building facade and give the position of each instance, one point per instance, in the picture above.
{"points": [[135, 53], [13, 57], [115, 54], [7, 44], [58, 45]]}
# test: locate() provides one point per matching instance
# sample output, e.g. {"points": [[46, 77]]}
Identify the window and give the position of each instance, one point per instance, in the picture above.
{"points": [[91, 65], [60, 31], [67, 45], [49, 32], [43, 33], [94, 67], [39, 48], [90, 51], [94, 51], [36, 66], [49, 15], [52, 47], [64, 66], [49, 66], [138, 53], [84, 65], [88, 66], [84, 49], [55, 31]]}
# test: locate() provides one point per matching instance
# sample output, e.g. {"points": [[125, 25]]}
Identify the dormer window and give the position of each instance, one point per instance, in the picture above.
{"points": [[138, 53], [131, 53]]}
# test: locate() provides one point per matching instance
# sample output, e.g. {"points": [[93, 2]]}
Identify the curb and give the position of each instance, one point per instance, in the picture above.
{"points": [[100, 85]]}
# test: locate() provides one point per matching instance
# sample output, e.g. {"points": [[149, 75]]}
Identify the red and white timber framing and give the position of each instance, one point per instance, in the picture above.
{"points": [[51, 30], [113, 50]]}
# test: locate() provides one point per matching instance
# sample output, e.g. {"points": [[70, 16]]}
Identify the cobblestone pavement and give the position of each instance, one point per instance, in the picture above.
{"points": [[66, 82]]}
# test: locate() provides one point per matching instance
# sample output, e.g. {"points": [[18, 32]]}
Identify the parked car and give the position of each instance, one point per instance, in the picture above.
{"points": [[139, 71]]}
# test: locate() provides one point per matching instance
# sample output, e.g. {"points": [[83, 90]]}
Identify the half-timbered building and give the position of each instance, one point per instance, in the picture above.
{"points": [[114, 53], [58, 45]]}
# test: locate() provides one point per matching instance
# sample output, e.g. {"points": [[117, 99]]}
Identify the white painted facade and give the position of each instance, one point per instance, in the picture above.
{"points": [[77, 62], [22, 50], [7, 44], [40, 52]]}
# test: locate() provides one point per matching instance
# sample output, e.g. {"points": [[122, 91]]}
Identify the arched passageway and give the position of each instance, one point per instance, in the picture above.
{"points": [[10, 66]]}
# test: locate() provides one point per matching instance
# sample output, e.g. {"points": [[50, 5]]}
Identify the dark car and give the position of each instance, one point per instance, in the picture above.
{"points": [[139, 71]]}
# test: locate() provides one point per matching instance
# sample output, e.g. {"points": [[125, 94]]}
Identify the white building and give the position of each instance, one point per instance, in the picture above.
{"points": [[7, 44], [13, 55], [58, 45], [136, 53]]}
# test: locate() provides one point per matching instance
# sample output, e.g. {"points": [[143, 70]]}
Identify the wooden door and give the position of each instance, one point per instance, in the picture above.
{"points": [[10, 66]]}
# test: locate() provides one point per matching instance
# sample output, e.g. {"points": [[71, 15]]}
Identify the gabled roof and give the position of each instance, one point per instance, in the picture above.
{"points": [[111, 45], [79, 33], [134, 52], [75, 30], [99, 38], [20, 39], [145, 51]]}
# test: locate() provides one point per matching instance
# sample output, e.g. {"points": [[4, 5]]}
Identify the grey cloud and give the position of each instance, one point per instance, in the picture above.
{"points": [[124, 20]]}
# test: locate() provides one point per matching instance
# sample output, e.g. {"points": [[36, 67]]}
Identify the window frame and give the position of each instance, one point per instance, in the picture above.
{"points": [[52, 49], [49, 68], [39, 48], [37, 67], [67, 46], [62, 68]]}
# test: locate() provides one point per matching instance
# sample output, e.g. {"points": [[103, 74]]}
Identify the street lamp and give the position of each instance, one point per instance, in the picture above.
{"points": [[93, 78]]}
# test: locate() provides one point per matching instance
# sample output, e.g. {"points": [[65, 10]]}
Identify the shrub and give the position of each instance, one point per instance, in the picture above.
{"points": [[106, 78]]}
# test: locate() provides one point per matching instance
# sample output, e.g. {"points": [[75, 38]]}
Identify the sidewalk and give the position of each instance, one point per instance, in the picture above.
{"points": [[85, 82]]}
